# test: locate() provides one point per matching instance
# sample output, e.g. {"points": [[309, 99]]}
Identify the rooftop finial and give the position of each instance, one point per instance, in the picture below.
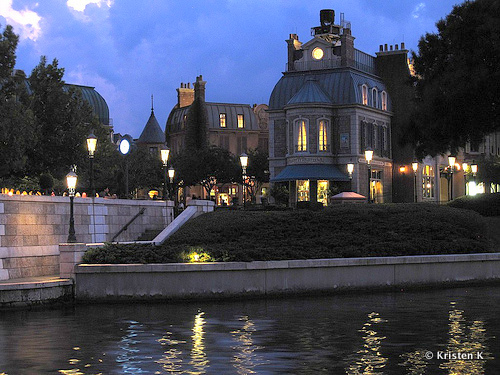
{"points": [[152, 106]]}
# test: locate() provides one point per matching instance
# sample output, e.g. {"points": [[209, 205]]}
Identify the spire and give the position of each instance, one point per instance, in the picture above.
{"points": [[152, 104]]}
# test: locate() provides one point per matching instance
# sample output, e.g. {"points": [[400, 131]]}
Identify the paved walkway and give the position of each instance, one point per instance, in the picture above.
{"points": [[34, 282]]}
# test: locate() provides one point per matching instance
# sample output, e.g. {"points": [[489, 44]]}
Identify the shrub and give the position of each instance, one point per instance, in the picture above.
{"points": [[484, 204]]}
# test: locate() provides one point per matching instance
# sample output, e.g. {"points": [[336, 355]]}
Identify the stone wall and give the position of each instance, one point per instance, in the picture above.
{"points": [[32, 227], [212, 280]]}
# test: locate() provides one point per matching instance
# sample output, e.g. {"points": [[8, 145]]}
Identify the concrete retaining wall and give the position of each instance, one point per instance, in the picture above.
{"points": [[208, 280], [31, 228]]}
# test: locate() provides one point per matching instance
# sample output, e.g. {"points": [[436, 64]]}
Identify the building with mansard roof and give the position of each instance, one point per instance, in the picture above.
{"points": [[328, 108]]}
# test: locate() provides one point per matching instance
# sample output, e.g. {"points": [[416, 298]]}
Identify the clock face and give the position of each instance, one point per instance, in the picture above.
{"points": [[124, 146], [317, 53]]}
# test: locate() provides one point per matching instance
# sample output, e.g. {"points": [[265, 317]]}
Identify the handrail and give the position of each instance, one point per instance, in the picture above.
{"points": [[125, 227]]}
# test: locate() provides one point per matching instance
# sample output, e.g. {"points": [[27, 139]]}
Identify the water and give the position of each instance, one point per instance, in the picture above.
{"points": [[379, 333]]}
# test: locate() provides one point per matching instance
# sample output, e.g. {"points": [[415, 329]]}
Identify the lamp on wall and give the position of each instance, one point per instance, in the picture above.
{"points": [[71, 179], [369, 157]]}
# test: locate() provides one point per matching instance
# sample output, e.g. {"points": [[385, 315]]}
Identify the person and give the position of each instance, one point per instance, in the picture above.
{"points": [[105, 193]]}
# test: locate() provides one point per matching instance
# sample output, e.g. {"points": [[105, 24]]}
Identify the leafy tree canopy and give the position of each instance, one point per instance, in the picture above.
{"points": [[458, 79]]}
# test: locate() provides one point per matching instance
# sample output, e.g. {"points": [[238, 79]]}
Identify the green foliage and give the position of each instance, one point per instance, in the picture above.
{"points": [[112, 253], [280, 193], [206, 167], [46, 182], [258, 170], [485, 204], [197, 125], [458, 79], [341, 231]]}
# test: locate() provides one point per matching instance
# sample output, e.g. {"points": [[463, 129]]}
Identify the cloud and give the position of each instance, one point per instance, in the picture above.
{"points": [[80, 5], [25, 22], [417, 11]]}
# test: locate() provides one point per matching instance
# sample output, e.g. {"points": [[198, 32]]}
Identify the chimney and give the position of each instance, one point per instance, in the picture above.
{"points": [[346, 48], [199, 88], [293, 46], [185, 96]]}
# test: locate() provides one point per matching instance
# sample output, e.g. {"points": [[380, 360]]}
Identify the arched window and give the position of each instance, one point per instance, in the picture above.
{"points": [[323, 138], [375, 97], [384, 101], [301, 135], [364, 94]]}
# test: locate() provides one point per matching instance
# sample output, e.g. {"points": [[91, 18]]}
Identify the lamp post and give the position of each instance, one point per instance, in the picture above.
{"points": [[71, 178], [350, 169], [465, 168], [473, 168], [369, 157], [124, 150], [91, 146], [414, 166], [451, 164], [164, 154], [244, 164], [171, 174]]}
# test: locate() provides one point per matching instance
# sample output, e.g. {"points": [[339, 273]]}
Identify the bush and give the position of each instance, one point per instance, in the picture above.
{"points": [[484, 204], [341, 231]]}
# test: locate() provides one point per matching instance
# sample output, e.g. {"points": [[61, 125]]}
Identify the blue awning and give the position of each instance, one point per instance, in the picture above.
{"points": [[311, 172]]}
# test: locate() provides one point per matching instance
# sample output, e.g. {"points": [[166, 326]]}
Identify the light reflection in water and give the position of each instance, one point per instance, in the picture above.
{"points": [[465, 339], [369, 360], [198, 356], [172, 357], [129, 356], [245, 360]]}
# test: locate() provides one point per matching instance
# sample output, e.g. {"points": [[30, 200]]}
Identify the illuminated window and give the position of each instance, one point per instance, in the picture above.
{"points": [[375, 97], [428, 182], [317, 53], [301, 136], [364, 93], [323, 136], [241, 121], [323, 192], [302, 190], [384, 101], [222, 120]]}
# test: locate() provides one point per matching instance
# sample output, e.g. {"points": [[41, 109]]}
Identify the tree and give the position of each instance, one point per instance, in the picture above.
{"points": [[257, 170], [16, 121], [197, 125], [207, 167], [458, 79]]}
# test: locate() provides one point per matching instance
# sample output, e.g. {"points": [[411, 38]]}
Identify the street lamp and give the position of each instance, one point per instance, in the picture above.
{"points": [[414, 166], [369, 157], [91, 146], [350, 169], [465, 168], [451, 164], [171, 174], [71, 178], [244, 164], [124, 148], [164, 154]]}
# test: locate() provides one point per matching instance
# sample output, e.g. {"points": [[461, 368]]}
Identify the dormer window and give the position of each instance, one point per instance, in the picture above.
{"points": [[222, 120], [317, 53], [375, 97], [384, 101], [241, 121], [364, 94]]}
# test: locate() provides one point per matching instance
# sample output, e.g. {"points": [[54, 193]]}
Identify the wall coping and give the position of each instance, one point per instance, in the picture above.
{"points": [[284, 264], [106, 201]]}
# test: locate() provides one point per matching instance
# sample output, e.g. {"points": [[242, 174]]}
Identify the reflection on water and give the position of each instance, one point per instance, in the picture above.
{"points": [[198, 356], [466, 339], [369, 360], [358, 334]]}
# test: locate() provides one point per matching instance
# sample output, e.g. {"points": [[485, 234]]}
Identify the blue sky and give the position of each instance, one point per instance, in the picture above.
{"points": [[130, 49]]}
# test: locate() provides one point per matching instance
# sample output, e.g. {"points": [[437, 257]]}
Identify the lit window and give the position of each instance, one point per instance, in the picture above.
{"points": [[428, 182], [375, 97], [301, 144], [364, 92], [241, 121], [323, 135], [222, 120], [317, 53], [384, 101]]}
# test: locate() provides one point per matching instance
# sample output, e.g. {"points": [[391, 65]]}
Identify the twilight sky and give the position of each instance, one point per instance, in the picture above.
{"points": [[130, 49]]}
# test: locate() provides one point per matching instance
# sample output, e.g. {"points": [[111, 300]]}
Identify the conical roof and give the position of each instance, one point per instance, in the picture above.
{"points": [[310, 92], [152, 132]]}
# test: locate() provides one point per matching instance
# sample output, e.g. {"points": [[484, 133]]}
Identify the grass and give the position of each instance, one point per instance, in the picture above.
{"points": [[342, 231]]}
